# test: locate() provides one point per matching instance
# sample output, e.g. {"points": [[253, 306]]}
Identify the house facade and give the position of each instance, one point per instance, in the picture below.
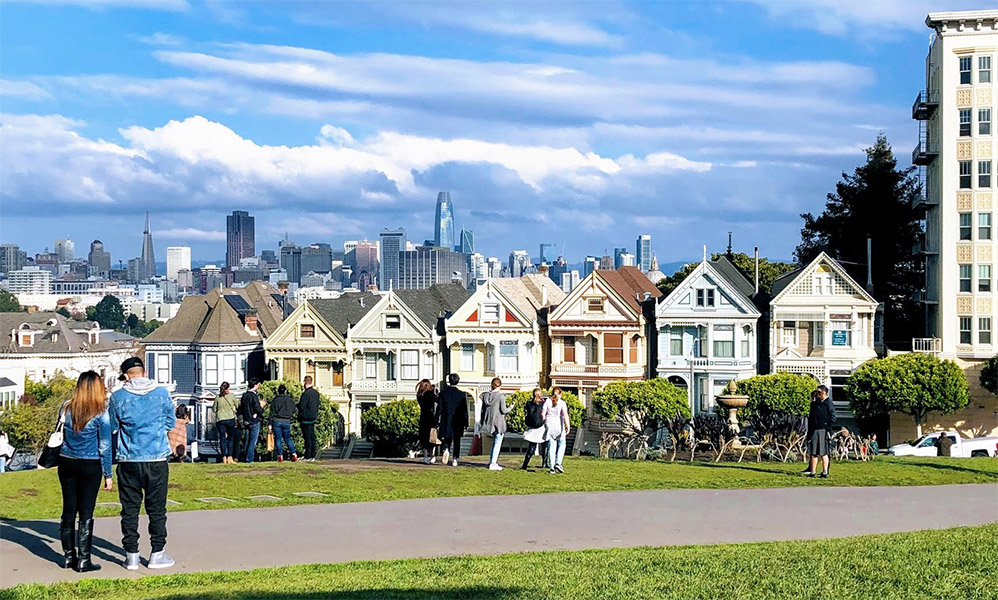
{"points": [[599, 332], [707, 332], [821, 324]]}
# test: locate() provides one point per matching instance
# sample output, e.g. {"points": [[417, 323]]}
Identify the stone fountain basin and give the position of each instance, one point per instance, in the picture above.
{"points": [[732, 401]]}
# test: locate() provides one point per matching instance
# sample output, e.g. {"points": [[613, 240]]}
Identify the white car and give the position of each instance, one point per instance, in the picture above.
{"points": [[961, 448]]}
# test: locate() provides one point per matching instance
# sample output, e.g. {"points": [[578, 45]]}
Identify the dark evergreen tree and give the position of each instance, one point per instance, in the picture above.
{"points": [[878, 201], [8, 302], [108, 313]]}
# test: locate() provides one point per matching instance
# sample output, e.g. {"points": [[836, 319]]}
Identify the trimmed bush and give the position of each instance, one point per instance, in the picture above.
{"points": [[329, 427], [393, 427], [989, 375], [515, 418], [787, 393]]}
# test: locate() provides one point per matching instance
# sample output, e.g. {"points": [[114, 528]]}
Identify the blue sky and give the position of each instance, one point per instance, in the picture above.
{"points": [[581, 124]]}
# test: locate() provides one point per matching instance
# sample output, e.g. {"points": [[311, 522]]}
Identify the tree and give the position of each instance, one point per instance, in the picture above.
{"points": [[30, 422], [62, 310], [914, 384], [516, 417], [109, 313], [393, 427], [769, 271], [9, 303], [641, 408], [787, 393], [878, 201], [989, 375]]}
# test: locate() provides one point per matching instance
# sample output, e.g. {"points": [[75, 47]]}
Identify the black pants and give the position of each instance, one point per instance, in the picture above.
{"points": [[80, 480], [136, 479], [237, 445], [308, 434], [226, 431], [454, 444]]}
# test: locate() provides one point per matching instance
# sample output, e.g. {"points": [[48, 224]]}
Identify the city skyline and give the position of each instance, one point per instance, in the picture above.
{"points": [[687, 147]]}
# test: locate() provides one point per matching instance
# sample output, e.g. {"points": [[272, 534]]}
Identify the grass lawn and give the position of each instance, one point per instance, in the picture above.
{"points": [[951, 563], [36, 495]]}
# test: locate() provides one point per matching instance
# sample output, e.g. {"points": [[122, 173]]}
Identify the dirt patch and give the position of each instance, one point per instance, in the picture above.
{"points": [[173, 486], [32, 492], [355, 466]]}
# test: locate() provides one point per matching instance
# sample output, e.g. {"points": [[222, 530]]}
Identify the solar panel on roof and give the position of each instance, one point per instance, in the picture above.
{"points": [[237, 302]]}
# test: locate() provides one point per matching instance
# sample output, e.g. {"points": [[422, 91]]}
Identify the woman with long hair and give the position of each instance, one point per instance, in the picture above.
{"points": [[224, 408], [534, 420], [84, 461], [556, 421], [426, 396]]}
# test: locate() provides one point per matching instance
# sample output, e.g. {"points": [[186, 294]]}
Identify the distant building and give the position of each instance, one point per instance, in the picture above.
{"points": [[291, 262], [362, 259], [558, 268], [269, 258], [177, 258], [240, 237], [519, 261], [655, 275], [185, 279], [569, 280], [99, 259], [547, 254], [444, 222], [29, 280], [429, 265], [146, 268], [642, 252], [317, 258], [467, 244], [493, 267], [393, 243], [65, 248], [606, 262], [12, 258], [590, 265]]}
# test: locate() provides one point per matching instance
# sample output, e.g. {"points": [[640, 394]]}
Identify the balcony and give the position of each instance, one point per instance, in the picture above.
{"points": [[607, 371], [923, 246], [924, 153], [376, 385], [926, 201], [927, 345], [925, 105]]}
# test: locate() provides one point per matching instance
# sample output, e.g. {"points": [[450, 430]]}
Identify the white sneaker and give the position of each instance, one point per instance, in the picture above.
{"points": [[453, 463], [495, 467], [433, 460], [132, 561], [160, 560], [446, 456]]}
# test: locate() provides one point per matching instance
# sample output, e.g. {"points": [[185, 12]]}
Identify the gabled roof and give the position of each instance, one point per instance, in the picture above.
{"points": [[55, 334], [527, 292], [733, 275], [438, 300], [717, 271], [629, 283], [219, 316], [786, 282], [340, 313]]}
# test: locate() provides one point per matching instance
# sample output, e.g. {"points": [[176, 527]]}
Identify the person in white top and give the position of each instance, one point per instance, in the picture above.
{"points": [[556, 421]]}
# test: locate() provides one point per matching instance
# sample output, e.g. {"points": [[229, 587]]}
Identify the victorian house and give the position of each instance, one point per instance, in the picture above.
{"points": [[599, 332], [707, 332], [822, 324]]}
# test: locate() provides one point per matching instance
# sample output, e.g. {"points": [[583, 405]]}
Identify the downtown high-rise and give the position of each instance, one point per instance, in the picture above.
{"points": [[642, 252], [99, 259], [145, 267], [392, 245], [240, 237], [443, 234], [178, 258]]}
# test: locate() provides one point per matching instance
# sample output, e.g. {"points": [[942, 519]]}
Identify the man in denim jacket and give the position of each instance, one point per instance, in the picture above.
{"points": [[142, 414]]}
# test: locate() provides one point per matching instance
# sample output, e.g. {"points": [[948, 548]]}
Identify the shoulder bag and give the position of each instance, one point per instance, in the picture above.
{"points": [[53, 448]]}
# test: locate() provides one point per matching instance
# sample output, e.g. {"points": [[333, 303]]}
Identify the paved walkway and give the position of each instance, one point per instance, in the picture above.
{"points": [[225, 540]]}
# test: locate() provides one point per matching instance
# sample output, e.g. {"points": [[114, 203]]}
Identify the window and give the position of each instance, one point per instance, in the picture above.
{"points": [[163, 368], [633, 358], [701, 351], [965, 122], [746, 348], [965, 174], [676, 341], [393, 322], [984, 173], [594, 305], [818, 328], [984, 226], [724, 341], [705, 297], [984, 121], [569, 345], [983, 69], [467, 357], [409, 360], [984, 330], [965, 65], [509, 356], [390, 364], [788, 335], [841, 333], [211, 369], [306, 331], [490, 313], [613, 348], [965, 335], [428, 366], [983, 278], [966, 277], [371, 365], [229, 368], [966, 226], [490, 358]]}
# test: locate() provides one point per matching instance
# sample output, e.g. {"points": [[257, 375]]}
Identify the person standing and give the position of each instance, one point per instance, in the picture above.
{"points": [[452, 413], [251, 411], [820, 420], [557, 424], [6, 451], [534, 420], [178, 435], [282, 408], [142, 414], [494, 409], [84, 463], [426, 397], [308, 414], [224, 408]]}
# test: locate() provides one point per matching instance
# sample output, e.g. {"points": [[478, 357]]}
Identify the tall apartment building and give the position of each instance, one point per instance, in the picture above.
{"points": [[240, 237], [642, 252], [12, 258], [99, 259], [519, 262], [428, 265], [29, 280], [177, 258], [956, 153], [392, 244]]}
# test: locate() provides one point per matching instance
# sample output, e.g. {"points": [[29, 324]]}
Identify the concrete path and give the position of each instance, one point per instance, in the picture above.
{"points": [[225, 540]]}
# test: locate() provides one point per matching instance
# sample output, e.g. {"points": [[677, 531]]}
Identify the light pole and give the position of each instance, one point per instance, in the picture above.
{"points": [[693, 354]]}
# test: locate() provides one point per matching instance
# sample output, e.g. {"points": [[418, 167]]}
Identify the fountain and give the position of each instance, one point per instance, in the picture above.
{"points": [[732, 401]]}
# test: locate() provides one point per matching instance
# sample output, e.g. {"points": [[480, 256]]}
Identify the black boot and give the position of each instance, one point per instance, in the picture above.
{"points": [[67, 534], [84, 543]]}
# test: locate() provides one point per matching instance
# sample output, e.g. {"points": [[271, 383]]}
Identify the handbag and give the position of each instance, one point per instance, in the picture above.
{"points": [[434, 439], [270, 441], [49, 456]]}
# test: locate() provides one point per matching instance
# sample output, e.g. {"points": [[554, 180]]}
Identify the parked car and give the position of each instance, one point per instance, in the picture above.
{"points": [[961, 448]]}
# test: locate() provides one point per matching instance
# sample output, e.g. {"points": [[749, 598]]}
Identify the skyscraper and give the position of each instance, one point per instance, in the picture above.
{"points": [[467, 245], [291, 262], [65, 248], [363, 258], [519, 260], [146, 268], [316, 258], [177, 259], [444, 222], [392, 243], [591, 264], [99, 259], [427, 265], [547, 253], [606, 263], [642, 252], [240, 237], [557, 269], [12, 258]]}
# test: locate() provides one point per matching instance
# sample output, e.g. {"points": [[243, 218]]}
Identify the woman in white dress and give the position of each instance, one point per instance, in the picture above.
{"points": [[557, 424]]}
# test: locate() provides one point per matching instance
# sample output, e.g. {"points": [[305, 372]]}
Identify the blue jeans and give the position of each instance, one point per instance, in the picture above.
{"points": [[282, 436], [249, 441], [496, 446], [226, 429], [556, 450]]}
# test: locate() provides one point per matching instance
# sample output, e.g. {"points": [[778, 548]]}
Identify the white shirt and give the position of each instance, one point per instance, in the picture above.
{"points": [[555, 417]]}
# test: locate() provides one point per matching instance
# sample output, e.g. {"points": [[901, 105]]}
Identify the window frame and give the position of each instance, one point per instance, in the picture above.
{"points": [[302, 328], [984, 173], [966, 278], [409, 364], [966, 174], [370, 365], [611, 346], [509, 356], [673, 339], [966, 121], [487, 310], [966, 66], [788, 334], [393, 322], [818, 334], [467, 358], [983, 124], [984, 226], [595, 304], [229, 367], [568, 349], [966, 333], [984, 69], [984, 330], [966, 226], [984, 278], [841, 325], [209, 369], [163, 360]]}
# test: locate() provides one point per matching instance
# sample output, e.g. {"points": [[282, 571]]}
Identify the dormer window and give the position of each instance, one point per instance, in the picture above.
{"points": [[393, 322], [594, 305], [26, 340], [306, 331], [705, 297], [822, 283]]}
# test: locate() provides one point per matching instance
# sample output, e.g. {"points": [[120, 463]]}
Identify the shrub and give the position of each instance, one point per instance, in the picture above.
{"points": [[787, 393], [328, 428], [393, 427], [515, 418], [989, 375], [641, 408], [29, 424]]}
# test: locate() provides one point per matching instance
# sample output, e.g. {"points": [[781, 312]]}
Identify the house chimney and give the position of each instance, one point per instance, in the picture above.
{"points": [[543, 269], [757, 269], [250, 317], [544, 291]]}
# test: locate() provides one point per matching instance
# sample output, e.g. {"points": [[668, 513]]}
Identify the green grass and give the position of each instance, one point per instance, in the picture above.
{"points": [[36, 495], [951, 564]]}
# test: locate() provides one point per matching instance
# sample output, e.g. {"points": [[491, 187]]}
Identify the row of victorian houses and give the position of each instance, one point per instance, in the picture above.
{"points": [[365, 348]]}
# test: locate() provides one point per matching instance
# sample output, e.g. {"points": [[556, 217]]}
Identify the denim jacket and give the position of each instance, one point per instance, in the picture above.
{"points": [[142, 413], [91, 443]]}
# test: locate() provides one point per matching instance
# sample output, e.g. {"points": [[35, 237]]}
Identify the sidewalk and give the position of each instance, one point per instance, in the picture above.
{"points": [[226, 540]]}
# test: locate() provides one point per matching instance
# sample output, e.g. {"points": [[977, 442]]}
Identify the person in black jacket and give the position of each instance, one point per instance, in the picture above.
{"points": [[534, 420], [820, 421], [251, 410], [282, 408], [426, 396], [452, 413], [308, 414]]}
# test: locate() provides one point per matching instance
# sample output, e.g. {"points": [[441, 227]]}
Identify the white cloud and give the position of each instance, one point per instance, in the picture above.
{"points": [[162, 39], [22, 89], [190, 233], [866, 19]]}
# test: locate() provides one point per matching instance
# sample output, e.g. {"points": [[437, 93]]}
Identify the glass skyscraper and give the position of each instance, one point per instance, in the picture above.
{"points": [[392, 245], [240, 237], [467, 245], [444, 223], [643, 253]]}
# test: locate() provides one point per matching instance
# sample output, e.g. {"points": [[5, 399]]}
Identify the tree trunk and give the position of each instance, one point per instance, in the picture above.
{"points": [[918, 428]]}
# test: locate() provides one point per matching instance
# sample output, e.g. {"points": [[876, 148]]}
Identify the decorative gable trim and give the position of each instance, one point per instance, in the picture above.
{"points": [[683, 294], [592, 285], [390, 302], [808, 272], [285, 336], [509, 312]]}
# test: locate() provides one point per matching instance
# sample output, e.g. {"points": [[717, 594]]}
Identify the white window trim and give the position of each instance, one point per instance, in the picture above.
{"points": [[467, 358], [413, 367], [208, 369], [370, 366], [162, 359]]}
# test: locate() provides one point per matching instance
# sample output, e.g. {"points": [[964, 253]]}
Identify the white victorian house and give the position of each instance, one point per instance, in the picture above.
{"points": [[708, 332], [822, 324]]}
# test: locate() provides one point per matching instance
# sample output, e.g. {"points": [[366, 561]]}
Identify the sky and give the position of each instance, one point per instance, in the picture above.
{"points": [[582, 124]]}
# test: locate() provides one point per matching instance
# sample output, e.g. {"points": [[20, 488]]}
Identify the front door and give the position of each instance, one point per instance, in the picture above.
{"points": [[292, 369], [337, 374]]}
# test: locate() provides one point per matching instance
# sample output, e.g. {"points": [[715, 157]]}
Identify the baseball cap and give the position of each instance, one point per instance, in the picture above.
{"points": [[130, 363]]}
